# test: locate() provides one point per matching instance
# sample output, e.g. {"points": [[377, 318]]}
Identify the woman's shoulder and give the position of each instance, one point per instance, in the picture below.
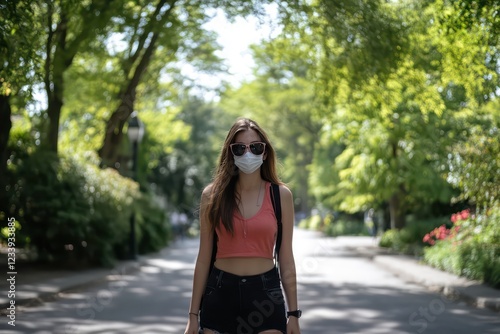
{"points": [[207, 191], [285, 192]]}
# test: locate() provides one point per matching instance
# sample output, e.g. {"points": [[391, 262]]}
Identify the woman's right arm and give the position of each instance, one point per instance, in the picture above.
{"points": [[202, 264]]}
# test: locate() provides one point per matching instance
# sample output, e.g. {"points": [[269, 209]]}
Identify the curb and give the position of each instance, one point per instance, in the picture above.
{"points": [[473, 293]]}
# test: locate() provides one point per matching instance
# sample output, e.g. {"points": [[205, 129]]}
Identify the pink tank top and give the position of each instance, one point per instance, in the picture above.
{"points": [[253, 237]]}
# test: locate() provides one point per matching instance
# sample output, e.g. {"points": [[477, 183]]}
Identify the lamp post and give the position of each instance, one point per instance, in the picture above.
{"points": [[135, 133]]}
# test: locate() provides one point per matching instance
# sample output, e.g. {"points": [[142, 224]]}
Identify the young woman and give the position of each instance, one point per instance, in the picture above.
{"points": [[242, 294]]}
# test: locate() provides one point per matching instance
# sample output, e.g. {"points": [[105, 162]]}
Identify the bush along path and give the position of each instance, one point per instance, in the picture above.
{"points": [[469, 248]]}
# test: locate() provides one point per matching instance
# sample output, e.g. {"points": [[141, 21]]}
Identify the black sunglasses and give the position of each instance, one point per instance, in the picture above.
{"points": [[239, 149]]}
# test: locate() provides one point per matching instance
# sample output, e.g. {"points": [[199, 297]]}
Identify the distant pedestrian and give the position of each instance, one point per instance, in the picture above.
{"points": [[242, 293], [184, 222], [371, 222], [175, 223]]}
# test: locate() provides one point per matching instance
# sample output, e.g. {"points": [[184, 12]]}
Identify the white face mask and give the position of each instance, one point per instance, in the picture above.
{"points": [[248, 162]]}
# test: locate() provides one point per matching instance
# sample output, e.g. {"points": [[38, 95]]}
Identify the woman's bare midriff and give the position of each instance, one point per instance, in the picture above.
{"points": [[245, 266]]}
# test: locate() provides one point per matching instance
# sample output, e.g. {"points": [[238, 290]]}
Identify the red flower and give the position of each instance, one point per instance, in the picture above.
{"points": [[428, 239], [462, 215], [439, 233]]}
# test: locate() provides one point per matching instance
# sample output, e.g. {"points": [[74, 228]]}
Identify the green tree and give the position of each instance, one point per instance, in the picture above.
{"points": [[185, 168], [385, 112], [19, 25], [356, 46], [69, 27], [468, 40], [474, 163], [173, 30], [282, 100]]}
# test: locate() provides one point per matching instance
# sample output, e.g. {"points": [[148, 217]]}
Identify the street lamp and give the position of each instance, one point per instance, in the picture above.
{"points": [[135, 133]]}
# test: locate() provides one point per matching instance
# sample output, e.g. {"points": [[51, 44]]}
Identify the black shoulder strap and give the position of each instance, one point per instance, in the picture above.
{"points": [[212, 260], [276, 200], [214, 252]]}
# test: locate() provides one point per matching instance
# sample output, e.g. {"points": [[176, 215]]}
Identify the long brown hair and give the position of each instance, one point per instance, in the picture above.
{"points": [[223, 198]]}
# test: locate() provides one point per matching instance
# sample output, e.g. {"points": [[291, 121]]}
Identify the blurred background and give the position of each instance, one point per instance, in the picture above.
{"points": [[384, 114]]}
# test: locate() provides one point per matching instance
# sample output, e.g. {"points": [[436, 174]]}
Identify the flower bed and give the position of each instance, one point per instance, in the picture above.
{"points": [[470, 248]]}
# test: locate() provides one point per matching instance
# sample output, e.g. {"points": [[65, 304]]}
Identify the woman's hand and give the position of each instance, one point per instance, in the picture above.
{"points": [[192, 325], [292, 327]]}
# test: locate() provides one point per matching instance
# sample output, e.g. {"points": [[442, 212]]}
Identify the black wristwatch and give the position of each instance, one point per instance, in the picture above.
{"points": [[296, 314]]}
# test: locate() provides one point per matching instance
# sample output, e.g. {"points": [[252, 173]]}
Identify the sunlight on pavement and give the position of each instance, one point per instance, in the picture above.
{"points": [[170, 264]]}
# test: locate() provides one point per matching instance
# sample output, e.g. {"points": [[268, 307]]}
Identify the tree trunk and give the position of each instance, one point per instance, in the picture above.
{"points": [[396, 202], [396, 209], [144, 51], [114, 133], [5, 126], [55, 104], [61, 48], [386, 217], [114, 127], [55, 64]]}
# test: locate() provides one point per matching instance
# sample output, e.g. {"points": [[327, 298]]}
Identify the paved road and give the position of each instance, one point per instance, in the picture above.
{"points": [[339, 291]]}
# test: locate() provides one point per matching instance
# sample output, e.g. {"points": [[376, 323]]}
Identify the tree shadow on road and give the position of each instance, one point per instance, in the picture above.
{"points": [[156, 300], [355, 308]]}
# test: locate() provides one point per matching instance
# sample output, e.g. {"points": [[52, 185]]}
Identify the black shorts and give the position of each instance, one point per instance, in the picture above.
{"points": [[235, 304]]}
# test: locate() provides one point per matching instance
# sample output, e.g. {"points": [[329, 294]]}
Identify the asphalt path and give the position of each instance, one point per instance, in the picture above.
{"points": [[340, 291]]}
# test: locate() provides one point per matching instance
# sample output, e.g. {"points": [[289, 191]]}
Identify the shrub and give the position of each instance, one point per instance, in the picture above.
{"points": [[389, 239], [309, 222], [342, 226], [72, 213], [112, 198], [409, 240], [332, 226], [51, 207], [473, 251], [315, 223], [444, 256], [303, 223], [154, 230]]}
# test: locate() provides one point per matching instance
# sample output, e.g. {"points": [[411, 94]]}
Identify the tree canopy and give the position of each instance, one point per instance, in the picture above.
{"points": [[370, 103]]}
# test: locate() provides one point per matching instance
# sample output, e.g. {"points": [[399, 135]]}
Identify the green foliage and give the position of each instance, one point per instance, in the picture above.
{"points": [[154, 230], [21, 142], [367, 37], [45, 216], [388, 128], [389, 239], [314, 222], [181, 158], [474, 163], [409, 240], [468, 40], [443, 255], [19, 43], [71, 213], [112, 199], [473, 252], [283, 103], [331, 226], [341, 226], [363, 101], [481, 261]]}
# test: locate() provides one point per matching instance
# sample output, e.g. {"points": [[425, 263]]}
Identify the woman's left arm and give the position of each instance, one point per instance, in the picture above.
{"points": [[286, 260]]}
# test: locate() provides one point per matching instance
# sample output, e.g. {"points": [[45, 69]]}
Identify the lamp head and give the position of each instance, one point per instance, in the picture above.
{"points": [[135, 128]]}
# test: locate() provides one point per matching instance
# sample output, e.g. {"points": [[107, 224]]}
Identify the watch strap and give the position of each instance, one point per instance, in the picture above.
{"points": [[296, 313]]}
